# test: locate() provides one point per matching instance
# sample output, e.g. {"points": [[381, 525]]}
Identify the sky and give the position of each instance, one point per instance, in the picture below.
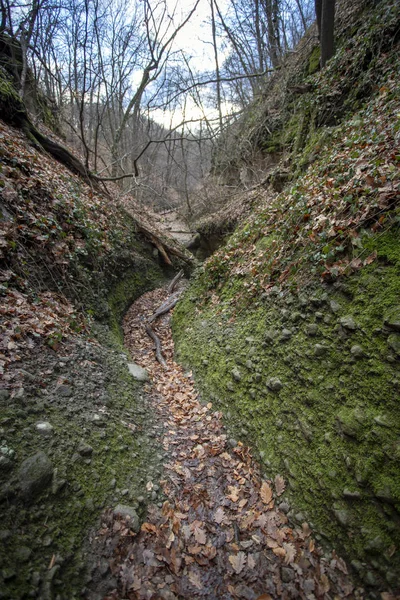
{"points": [[195, 39]]}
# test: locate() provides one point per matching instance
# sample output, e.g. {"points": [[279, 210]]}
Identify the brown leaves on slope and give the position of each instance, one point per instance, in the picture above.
{"points": [[218, 534]]}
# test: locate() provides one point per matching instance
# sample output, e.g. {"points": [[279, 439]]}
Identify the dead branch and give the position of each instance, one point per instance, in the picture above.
{"points": [[175, 282], [157, 342], [165, 307], [159, 243]]}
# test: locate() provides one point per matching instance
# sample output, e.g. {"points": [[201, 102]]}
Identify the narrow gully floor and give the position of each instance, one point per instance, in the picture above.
{"points": [[222, 531]]}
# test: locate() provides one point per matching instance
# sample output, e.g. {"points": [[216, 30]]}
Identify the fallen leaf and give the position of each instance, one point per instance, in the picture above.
{"points": [[290, 552], [266, 493], [238, 562], [279, 485], [219, 515], [233, 493], [194, 579]]}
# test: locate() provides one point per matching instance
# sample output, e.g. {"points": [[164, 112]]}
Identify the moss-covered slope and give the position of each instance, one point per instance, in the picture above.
{"points": [[293, 329]]}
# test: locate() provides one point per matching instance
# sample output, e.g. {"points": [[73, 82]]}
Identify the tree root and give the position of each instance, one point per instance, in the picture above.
{"points": [[162, 310], [156, 340]]}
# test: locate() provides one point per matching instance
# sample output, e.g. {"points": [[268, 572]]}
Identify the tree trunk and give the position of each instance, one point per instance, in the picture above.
{"points": [[327, 39]]}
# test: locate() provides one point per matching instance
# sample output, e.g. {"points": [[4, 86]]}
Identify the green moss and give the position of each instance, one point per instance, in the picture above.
{"points": [[314, 60], [332, 430]]}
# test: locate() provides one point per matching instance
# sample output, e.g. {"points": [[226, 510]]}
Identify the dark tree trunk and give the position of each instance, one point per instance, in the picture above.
{"points": [[325, 15], [327, 31]]}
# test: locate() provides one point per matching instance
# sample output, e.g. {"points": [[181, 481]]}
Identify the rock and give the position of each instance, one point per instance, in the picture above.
{"points": [[284, 507], [128, 512], [270, 336], [274, 384], [320, 350], [64, 390], [394, 342], [97, 420], [312, 329], [287, 574], [384, 421], [343, 517], [236, 374], [45, 428], [35, 474], [138, 372], [348, 323], [5, 464], [392, 319], [335, 306], [286, 335], [84, 449], [232, 443], [357, 351], [23, 554], [353, 495]]}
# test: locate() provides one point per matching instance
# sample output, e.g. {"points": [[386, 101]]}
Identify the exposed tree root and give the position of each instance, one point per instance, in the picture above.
{"points": [[157, 342]]}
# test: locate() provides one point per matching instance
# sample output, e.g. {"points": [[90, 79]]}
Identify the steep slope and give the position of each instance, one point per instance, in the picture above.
{"points": [[292, 328], [75, 430]]}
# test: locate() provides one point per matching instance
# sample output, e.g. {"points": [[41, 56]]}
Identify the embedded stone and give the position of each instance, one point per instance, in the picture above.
{"points": [[274, 384], [357, 351], [35, 474], [45, 428], [353, 495], [392, 319], [394, 342], [84, 449], [320, 350], [312, 329], [335, 306], [343, 517], [287, 574], [236, 374], [348, 323], [64, 390], [138, 372], [270, 336], [383, 420], [286, 334], [128, 512]]}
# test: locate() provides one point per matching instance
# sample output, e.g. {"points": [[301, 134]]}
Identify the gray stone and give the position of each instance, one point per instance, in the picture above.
{"points": [[97, 420], [312, 329], [23, 554], [348, 323], [274, 384], [343, 517], [284, 507], [392, 319], [128, 512], [138, 372], [270, 336], [35, 474], [287, 574], [84, 449], [236, 374], [64, 390], [320, 349], [335, 306], [44, 428], [319, 316], [5, 464], [394, 342], [357, 351], [351, 494], [384, 421], [286, 334]]}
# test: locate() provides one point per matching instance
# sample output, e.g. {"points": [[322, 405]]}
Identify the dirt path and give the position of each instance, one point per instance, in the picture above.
{"points": [[222, 531]]}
